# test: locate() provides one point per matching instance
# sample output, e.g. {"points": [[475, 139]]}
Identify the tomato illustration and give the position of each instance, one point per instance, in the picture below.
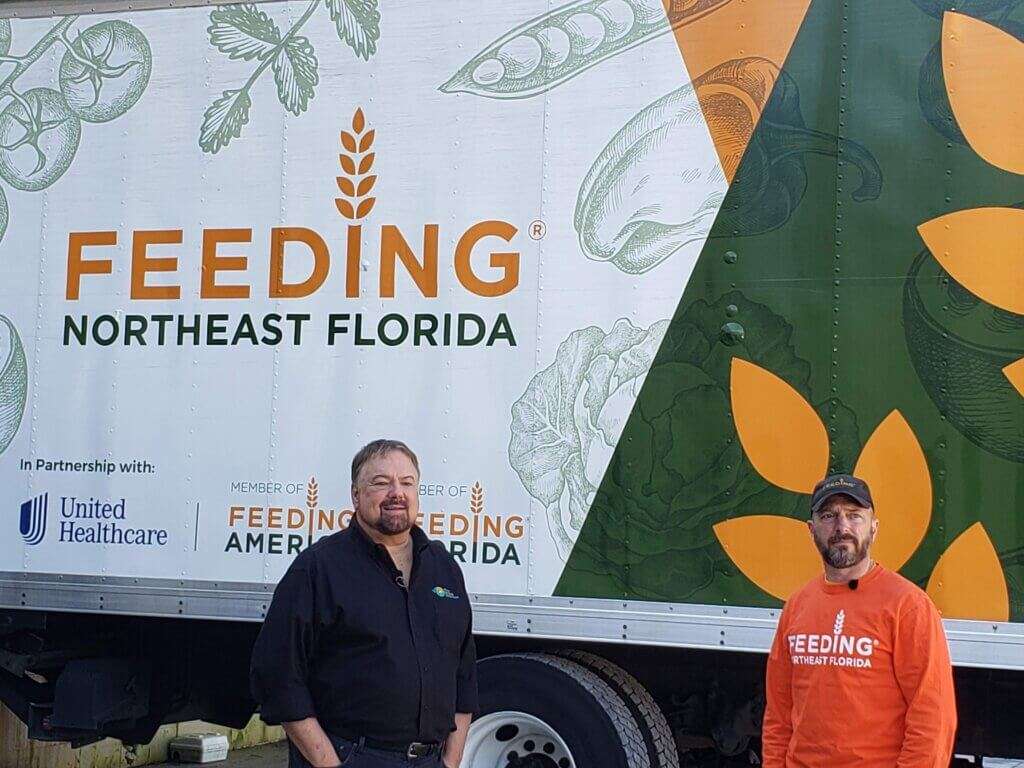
{"points": [[105, 71], [39, 136]]}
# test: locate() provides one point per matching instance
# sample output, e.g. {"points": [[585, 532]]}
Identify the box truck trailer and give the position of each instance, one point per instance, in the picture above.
{"points": [[630, 275]]}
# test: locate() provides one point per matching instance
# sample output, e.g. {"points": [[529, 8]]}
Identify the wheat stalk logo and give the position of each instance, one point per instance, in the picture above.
{"points": [[312, 494], [476, 499], [356, 181], [312, 497], [840, 620]]}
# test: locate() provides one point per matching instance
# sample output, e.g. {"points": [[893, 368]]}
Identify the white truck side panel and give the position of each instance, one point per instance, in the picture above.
{"points": [[167, 435]]}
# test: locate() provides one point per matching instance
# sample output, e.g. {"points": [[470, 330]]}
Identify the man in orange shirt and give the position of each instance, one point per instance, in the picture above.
{"points": [[859, 673]]}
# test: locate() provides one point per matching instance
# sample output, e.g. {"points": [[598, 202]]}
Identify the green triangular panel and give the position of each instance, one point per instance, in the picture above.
{"points": [[815, 261]]}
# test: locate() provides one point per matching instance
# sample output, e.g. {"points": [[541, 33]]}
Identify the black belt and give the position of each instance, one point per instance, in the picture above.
{"points": [[411, 750]]}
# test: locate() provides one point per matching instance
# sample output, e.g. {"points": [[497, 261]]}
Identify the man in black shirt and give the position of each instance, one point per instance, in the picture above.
{"points": [[366, 655]]}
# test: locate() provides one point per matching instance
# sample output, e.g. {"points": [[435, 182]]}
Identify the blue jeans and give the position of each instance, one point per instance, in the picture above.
{"points": [[352, 755]]}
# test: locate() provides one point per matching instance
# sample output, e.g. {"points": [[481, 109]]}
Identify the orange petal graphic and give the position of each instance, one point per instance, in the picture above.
{"points": [[895, 469], [781, 434], [751, 32], [968, 582], [983, 249], [989, 108], [776, 553], [1015, 373]]}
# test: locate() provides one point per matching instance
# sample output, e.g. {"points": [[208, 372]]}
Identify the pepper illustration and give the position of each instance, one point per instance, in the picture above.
{"points": [[645, 198]]}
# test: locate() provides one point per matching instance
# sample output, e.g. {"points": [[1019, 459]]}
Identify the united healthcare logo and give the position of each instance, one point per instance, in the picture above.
{"points": [[33, 519]]}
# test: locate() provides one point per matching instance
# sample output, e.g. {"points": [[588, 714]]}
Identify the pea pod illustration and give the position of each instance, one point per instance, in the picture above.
{"points": [[13, 382], [556, 47], [646, 197]]}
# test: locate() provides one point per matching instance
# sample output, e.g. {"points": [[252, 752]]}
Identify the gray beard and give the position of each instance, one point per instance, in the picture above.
{"points": [[835, 556]]}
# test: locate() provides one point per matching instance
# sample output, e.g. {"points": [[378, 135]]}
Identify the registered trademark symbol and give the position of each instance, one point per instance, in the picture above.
{"points": [[538, 229]]}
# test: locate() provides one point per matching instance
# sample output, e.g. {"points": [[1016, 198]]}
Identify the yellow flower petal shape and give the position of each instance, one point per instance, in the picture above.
{"points": [[968, 581], [1015, 373], [776, 553], [977, 59], [983, 249], [894, 467], [780, 433]]}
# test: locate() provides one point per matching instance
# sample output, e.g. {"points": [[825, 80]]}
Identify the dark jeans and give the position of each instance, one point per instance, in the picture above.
{"points": [[354, 756]]}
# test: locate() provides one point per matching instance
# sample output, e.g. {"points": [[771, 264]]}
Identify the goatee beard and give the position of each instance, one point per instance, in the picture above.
{"points": [[391, 524]]}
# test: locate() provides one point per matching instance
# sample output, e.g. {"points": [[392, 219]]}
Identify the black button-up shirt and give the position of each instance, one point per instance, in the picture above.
{"points": [[344, 641]]}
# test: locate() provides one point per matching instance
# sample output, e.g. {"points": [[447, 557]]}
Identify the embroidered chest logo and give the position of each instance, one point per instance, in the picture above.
{"points": [[834, 650], [444, 592]]}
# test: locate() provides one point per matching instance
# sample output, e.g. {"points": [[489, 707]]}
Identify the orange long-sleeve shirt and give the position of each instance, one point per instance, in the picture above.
{"points": [[859, 678]]}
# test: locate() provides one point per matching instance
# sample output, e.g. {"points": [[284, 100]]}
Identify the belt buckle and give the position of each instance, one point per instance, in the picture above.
{"points": [[417, 749]]}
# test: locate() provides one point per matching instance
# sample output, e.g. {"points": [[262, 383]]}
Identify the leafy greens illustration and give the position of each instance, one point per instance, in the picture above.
{"points": [[244, 32]]}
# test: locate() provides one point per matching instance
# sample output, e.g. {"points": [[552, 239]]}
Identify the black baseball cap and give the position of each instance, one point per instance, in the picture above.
{"points": [[848, 485]]}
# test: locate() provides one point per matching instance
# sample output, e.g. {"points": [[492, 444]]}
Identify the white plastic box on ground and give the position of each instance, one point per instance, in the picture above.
{"points": [[198, 748]]}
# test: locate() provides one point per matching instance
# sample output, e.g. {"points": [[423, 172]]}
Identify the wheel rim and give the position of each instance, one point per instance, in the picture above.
{"points": [[515, 740]]}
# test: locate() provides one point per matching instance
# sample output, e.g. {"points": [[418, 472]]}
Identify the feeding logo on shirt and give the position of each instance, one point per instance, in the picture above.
{"points": [[834, 650], [445, 593]]}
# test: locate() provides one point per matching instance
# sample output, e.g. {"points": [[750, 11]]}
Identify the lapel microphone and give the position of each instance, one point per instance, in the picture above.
{"points": [[852, 584]]}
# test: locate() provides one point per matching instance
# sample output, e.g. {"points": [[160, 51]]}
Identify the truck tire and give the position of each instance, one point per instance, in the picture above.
{"points": [[542, 711], [661, 745]]}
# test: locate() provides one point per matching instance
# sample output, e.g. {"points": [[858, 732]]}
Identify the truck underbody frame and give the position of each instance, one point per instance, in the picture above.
{"points": [[984, 645]]}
